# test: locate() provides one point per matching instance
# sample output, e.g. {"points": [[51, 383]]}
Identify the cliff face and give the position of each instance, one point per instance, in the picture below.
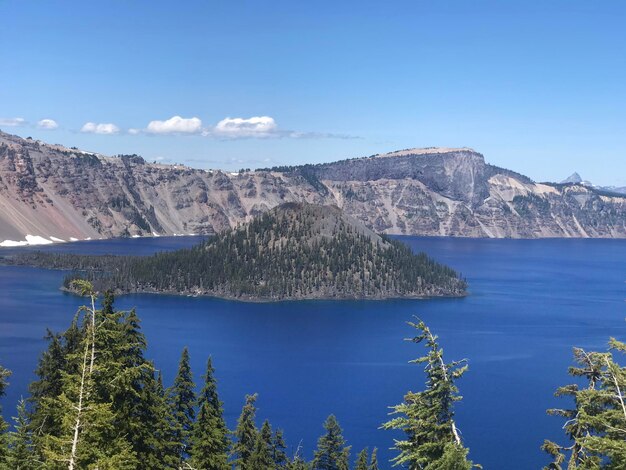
{"points": [[52, 191]]}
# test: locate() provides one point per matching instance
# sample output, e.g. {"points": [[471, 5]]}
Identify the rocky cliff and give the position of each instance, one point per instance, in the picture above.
{"points": [[50, 192]]}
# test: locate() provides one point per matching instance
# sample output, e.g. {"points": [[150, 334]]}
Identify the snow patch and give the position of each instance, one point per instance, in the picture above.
{"points": [[30, 241], [72, 239], [58, 240]]}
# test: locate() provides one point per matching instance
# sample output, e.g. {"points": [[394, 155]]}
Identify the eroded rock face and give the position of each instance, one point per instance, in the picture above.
{"points": [[53, 191]]}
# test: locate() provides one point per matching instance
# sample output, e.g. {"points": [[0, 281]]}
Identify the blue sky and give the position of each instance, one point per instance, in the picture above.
{"points": [[538, 87]]}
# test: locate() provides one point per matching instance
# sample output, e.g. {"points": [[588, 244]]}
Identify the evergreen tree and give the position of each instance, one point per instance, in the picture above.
{"points": [[374, 460], [344, 462], [86, 435], [278, 449], [161, 445], [209, 437], [262, 456], [21, 454], [427, 417], [4, 448], [596, 425], [331, 453], [183, 398], [245, 435], [361, 461]]}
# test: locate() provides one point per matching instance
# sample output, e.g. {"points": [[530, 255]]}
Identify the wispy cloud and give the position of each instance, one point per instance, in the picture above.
{"points": [[49, 124], [175, 125], [237, 128], [229, 128], [101, 128], [13, 122]]}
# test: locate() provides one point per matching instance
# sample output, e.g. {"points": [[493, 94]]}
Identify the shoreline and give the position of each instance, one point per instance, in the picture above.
{"points": [[264, 300]]}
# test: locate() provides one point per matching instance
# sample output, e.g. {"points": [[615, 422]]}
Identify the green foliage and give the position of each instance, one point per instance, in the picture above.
{"points": [[183, 399], [4, 375], [209, 436], [279, 456], [361, 461], [374, 460], [21, 454], [332, 452], [261, 458], [245, 435], [427, 417], [596, 425], [294, 251]]}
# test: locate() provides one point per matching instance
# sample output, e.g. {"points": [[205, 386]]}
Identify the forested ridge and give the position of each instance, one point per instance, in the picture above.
{"points": [[295, 251]]}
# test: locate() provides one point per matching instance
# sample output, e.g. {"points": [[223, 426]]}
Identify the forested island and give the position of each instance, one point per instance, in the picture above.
{"points": [[295, 251]]}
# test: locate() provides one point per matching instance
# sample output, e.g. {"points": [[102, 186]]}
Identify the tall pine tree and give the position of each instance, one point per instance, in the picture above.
{"points": [[596, 425], [261, 458], [361, 461], [245, 435], [331, 453], [183, 399], [209, 436], [374, 460], [21, 450], [427, 417], [4, 444], [278, 449]]}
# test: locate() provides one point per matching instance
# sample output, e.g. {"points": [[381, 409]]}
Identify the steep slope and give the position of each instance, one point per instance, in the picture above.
{"points": [[54, 191], [294, 251]]}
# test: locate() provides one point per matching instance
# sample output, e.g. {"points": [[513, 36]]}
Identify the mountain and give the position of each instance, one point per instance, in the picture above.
{"points": [[576, 179], [53, 191], [573, 178], [294, 251]]}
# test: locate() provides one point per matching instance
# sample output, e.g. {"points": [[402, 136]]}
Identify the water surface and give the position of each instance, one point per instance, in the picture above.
{"points": [[530, 302]]}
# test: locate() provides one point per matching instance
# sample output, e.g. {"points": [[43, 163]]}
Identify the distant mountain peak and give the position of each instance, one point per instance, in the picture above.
{"points": [[573, 178]]}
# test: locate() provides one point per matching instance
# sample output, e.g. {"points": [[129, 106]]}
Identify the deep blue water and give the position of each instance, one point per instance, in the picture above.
{"points": [[530, 302]]}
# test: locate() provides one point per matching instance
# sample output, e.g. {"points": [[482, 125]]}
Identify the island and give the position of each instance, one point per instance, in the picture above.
{"points": [[295, 251]]}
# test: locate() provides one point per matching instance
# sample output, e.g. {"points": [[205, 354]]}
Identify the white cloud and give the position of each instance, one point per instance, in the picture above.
{"points": [[176, 125], [12, 122], [49, 124], [132, 131], [257, 126], [102, 128]]}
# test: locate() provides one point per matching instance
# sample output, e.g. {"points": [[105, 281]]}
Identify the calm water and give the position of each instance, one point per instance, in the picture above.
{"points": [[530, 302]]}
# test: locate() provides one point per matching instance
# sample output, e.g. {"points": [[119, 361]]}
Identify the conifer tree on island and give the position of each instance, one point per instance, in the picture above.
{"points": [[427, 417]]}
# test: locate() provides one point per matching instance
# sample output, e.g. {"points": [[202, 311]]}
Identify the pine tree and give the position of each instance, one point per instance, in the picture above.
{"points": [[87, 435], [427, 417], [161, 445], [331, 453], [21, 454], [374, 460], [261, 458], [596, 425], [361, 461], [245, 435], [209, 437], [4, 448], [278, 449], [183, 398]]}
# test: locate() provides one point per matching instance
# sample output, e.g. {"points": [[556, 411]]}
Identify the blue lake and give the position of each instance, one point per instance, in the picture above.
{"points": [[530, 302]]}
